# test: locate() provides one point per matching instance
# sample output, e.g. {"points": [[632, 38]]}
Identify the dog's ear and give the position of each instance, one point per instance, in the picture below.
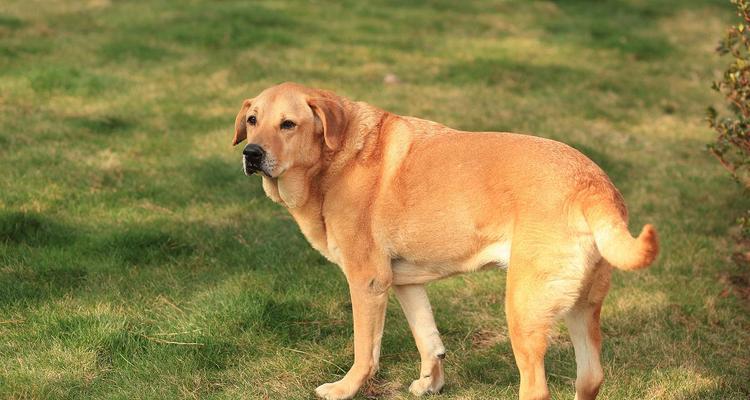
{"points": [[333, 120], [240, 127]]}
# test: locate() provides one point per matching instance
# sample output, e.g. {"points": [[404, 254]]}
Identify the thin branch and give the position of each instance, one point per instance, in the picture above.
{"points": [[166, 301], [157, 340], [176, 333], [731, 168], [317, 322]]}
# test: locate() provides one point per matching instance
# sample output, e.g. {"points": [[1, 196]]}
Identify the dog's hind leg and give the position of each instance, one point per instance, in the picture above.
{"points": [[583, 324], [528, 328], [535, 297], [416, 306]]}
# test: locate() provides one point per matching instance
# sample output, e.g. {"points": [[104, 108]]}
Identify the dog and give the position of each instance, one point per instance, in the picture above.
{"points": [[397, 202]]}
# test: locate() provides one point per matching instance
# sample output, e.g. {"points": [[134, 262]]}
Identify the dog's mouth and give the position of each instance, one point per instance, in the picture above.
{"points": [[251, 168]]}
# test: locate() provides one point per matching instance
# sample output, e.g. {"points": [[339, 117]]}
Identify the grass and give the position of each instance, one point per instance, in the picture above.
{"points": [[136, 261]]}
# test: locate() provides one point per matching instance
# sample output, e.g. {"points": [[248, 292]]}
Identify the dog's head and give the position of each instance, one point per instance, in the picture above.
{"points": [[288, 126]]}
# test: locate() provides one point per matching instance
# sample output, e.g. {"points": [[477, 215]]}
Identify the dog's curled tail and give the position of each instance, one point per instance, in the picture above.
{"points": [[608, 223]]}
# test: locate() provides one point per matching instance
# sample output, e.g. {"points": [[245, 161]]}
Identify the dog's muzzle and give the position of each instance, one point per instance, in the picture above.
{"points": [[253, 158]]}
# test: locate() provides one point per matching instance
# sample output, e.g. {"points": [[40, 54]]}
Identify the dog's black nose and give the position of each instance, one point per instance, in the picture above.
{"points": [[254, 154]]}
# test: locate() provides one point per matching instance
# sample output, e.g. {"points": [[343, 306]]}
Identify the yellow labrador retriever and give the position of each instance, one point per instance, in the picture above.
{"points": [[398, 202]]}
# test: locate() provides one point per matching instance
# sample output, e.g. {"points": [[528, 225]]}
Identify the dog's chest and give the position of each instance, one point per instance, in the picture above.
{"points": [[313, 227]]}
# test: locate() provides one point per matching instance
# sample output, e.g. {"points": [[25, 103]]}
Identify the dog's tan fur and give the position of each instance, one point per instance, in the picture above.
{"points": [[398, 202]]}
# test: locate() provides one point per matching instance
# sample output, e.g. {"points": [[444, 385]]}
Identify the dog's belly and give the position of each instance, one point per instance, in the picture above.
{"points": [[407, 272]]}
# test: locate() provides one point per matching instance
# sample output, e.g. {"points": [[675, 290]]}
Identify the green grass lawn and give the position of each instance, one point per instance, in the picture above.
{"points": [[137, 261]]}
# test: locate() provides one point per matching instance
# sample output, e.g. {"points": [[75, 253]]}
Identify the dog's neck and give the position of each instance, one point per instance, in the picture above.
{"points": [[360, 141], [303, 191], [296, 187]]}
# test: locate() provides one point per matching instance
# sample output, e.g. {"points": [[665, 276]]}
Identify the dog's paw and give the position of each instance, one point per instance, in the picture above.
{"points": [[335, 391], [426, 385]]}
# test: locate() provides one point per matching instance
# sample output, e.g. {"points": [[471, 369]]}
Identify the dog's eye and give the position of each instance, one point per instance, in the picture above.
{"points": [[252, 120], [287, 124]]}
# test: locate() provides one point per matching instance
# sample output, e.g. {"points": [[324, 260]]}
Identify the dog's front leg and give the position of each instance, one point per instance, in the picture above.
{"points": [[368, 286], [416, 306]]}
